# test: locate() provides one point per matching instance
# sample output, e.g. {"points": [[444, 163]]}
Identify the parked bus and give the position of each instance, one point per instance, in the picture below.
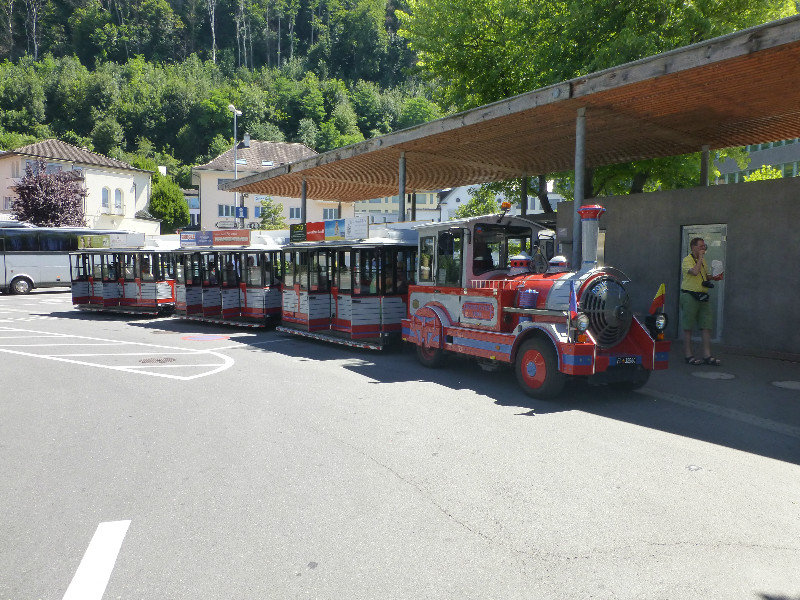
{"points": [[37, 257]]}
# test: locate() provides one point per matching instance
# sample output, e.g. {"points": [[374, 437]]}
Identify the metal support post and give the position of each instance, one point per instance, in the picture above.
{"points": [[580, 168], [303, 201], [401, 192], [414, 206], [523, 196], [704, 157]]}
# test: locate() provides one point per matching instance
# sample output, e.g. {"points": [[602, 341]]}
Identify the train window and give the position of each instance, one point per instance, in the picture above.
{"points": [[487, 249], [254, 271], [426, 255], [194, 277], [180, 269], [230, 270], [301, 270], [288, 265], [97, 266], [146, 266], [78, 264], [128, 269], [109, 267], [166, 266], [319, 271], [344, 279], [449, 257], [365, 274]]}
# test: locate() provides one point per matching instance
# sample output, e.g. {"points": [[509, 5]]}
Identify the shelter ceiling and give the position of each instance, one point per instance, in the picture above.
{"points": [[731, 91]]}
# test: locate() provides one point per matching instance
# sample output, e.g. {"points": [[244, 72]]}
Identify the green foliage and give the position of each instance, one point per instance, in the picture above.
{"points": [[272, 215], [764, 173], [168, 204], [486, 50], [418, 110], [482, 202], [107, 135]]}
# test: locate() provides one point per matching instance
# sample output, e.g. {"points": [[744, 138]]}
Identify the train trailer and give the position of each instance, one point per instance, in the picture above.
{"points": [[482, 290]]}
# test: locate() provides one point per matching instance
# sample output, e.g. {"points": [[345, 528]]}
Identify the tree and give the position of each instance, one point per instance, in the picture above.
{"points": [[272, 215], [49, 199], [482, 202], [486, 50], [168, 204], [764, 173]]}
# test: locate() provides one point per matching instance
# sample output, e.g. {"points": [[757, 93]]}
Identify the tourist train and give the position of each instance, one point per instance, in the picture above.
{"points": [[488, 287]]}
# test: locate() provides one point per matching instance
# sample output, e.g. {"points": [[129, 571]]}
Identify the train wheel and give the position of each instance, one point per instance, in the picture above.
{"points": [[537, 369], [430, 357]]}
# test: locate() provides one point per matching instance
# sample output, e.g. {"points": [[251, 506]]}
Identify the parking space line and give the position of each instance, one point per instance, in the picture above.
{"points": [[91, 578], [67, 344]]}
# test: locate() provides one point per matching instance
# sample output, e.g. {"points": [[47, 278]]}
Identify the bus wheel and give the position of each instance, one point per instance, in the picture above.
{"points": [[20, 285], [537, 369], [430, 357]]}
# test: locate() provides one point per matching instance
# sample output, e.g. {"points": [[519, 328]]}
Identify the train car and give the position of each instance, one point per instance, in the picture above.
{"points": [[237, 285], [484, 291], [126, 280], [351, 292]]}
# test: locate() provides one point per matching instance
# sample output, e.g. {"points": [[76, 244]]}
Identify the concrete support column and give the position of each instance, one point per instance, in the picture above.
{"points": [[401, 192], [523, 196], [704, 157], [339, 211], [580, 168], [303, 201]]}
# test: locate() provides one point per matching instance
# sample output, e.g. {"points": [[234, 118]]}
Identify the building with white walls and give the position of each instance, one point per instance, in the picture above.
{"points": [[117, 193]]}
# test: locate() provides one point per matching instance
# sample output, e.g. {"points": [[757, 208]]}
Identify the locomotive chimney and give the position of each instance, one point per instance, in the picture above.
{"points": [[590, 226]]}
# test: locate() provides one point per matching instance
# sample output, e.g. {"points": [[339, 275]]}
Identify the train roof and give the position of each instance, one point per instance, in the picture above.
{"points": [[495, 218]]}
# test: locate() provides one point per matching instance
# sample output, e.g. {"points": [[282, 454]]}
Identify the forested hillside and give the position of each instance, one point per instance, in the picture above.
{"points": [[152, 79]]}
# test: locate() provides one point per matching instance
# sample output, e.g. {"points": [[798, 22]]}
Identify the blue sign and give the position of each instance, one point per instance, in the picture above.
{"points": [[241, 212], [204, 238]]}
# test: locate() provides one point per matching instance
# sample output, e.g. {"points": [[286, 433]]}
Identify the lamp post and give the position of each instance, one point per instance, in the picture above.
{"points": [[236, 113]]}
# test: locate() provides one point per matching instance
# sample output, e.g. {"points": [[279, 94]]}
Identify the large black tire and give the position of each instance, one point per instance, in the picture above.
{"points": [[20, 285], [537, 371], [430, 357]]}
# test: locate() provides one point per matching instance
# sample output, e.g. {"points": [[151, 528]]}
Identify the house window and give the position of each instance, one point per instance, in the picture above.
{"points": [[118, 200], [257, 212], [220, 210], [104, 202], [15, 170], [241, 161], [329, 213], [7, 203], [294, 212]]}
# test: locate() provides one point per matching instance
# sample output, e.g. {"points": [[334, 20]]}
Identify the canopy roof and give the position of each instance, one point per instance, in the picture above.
{"points": [[730, 91]]}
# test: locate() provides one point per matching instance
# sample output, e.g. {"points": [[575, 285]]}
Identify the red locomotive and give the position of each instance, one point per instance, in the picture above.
{"points": [[484, 289]]}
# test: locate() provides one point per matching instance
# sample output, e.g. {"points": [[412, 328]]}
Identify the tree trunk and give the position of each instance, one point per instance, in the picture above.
{"points": [[637, 185], [544, 199]]}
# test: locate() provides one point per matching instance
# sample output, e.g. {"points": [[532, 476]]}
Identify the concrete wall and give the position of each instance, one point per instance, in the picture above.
{"points": [[762, 285]]}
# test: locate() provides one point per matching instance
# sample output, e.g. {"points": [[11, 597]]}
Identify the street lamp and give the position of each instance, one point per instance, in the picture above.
{"points": [[236, 113]]}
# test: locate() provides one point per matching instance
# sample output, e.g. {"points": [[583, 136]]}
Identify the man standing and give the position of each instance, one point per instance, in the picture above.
{"points": [[694, 303]]}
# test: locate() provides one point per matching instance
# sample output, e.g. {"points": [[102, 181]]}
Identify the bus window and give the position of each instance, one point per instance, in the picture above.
{"points": [[426, 246], [449, 258], [22, 240], [58, 241]]}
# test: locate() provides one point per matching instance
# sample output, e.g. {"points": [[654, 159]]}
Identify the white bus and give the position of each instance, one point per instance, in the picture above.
{"points": [[37, 257]]}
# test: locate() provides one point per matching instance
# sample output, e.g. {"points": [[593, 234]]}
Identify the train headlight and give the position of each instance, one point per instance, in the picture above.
{"points": [[661, 321], [581, 322]]}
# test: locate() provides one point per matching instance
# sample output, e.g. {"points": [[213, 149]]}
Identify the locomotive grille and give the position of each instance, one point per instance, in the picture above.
{"points": [[607, 305]]}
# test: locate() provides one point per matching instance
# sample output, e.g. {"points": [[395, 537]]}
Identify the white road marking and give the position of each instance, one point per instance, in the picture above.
{"points": [[225, 361], [67, 344], [91, 578], [724, 411]]}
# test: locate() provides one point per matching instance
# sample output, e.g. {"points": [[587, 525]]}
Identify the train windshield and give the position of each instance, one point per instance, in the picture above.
{"points": [[495, 244]]}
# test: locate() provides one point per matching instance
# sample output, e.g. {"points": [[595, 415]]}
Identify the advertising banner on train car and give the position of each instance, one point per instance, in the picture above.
{"points": [[188, 239], [356, 228], [93, 241]]}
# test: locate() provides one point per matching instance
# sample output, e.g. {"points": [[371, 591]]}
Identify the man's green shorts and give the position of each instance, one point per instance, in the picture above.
{"points": [[695, 314]]}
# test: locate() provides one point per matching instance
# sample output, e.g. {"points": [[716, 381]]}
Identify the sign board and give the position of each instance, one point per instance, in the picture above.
{"points": [[204, 238], [188, 239], [334, 230], [241, 212], [315, 232], [231, 237], [356, 229], [297, 232], [126, 240], [93, 241]]}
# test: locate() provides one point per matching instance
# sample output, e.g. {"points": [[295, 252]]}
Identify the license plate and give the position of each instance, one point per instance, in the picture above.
{"points": [[626, 360]]}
